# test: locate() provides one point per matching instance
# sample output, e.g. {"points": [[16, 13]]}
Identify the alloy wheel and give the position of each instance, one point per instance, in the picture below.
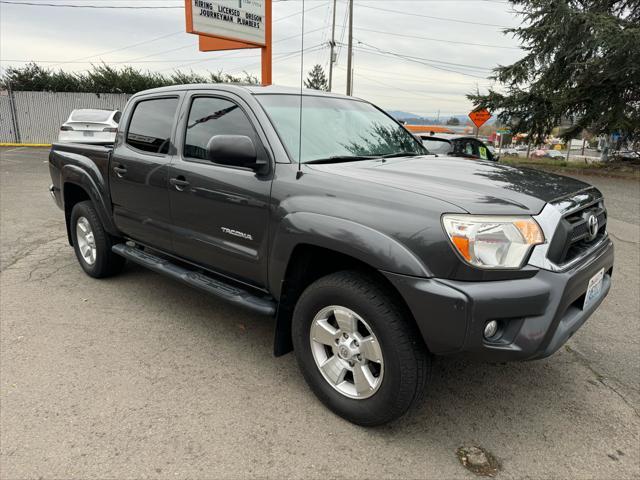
{"points": [[86, 241], [347, 352]]}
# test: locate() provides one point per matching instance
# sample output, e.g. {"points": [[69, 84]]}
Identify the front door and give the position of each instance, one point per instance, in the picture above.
{"points": [[220, 213], [138, 173]]}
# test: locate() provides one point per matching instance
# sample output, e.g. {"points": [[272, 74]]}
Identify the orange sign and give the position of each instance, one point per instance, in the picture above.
{"points": [[230, 25], [480, 117]]}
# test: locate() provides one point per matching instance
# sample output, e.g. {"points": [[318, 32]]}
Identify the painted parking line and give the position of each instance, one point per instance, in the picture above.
{"points": [[12, 150]]}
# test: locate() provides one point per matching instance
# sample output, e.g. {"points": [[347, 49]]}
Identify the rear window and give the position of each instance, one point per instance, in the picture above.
{"points": [[437, 145], [91, 115]]}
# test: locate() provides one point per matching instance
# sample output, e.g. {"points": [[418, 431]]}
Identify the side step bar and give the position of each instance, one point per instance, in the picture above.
{"points": [[238, 296]]}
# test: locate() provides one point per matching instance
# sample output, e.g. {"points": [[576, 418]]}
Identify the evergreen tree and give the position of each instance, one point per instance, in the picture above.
{"points": [[454, 121], [581, 68], [316, 79]]}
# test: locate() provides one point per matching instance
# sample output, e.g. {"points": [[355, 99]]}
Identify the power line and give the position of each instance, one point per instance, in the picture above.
{"points": [[342, 34], [419, 60], [124, 7], [284, 57], [410, 91], [435, 39], [126, 47], [420, 79], [227, 55], [68, 5], [138, 59], [463, 65], [446, 19]]}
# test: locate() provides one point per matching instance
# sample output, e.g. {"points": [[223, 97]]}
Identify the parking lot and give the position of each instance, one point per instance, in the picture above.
{"points": [[138, 376]]}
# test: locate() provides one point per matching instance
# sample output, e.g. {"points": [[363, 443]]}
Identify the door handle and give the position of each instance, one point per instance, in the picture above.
{"points": [[179, 182], [120, 170]]}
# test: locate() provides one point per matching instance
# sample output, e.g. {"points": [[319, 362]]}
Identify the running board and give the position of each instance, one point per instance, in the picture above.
{"points": [[223, 290]]}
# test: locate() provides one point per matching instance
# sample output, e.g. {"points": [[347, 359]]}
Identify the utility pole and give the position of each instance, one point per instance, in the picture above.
{"points": [[350, 53], [333, 45]]}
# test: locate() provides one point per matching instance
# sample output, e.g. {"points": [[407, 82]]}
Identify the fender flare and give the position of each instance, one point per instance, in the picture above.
{"points": [[366, 244], [80, 176]]}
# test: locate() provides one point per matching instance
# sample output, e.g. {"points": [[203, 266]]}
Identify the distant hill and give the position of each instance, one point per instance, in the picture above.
{"points": [[419, 120], [412, 118], [400, 115]]}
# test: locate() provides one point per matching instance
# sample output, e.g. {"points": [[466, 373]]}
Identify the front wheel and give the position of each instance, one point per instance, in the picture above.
{"points": [[92, 243], [357, 350]]}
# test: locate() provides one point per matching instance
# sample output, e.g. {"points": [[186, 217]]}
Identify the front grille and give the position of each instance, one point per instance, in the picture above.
{"points": [[579, 227], [573, 236]]}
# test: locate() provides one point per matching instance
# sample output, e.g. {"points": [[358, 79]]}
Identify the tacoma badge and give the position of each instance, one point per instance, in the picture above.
{"points": [[236, 233]]}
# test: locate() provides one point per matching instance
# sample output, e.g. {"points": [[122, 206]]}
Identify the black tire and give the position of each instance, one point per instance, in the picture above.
{"points": [[407, 364], [106, 262]]}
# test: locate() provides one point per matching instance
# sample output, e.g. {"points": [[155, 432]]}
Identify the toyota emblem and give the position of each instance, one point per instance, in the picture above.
{"points": [[592, 224]]}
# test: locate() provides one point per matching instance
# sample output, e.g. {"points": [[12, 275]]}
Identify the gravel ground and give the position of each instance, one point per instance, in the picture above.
{"points": [[141, 377]]}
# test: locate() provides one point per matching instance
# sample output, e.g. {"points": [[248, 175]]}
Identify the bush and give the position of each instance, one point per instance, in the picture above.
{"points": [[106, 79]]}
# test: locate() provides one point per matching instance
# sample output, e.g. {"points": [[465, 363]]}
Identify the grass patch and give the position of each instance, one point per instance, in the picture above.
{"points": [[626, 169]]}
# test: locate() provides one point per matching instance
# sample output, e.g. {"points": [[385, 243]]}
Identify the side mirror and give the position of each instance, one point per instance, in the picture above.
{"points": [[235, 151]]}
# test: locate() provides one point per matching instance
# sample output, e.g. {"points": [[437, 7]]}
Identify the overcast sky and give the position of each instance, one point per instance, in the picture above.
{"points": [[154, 39]]}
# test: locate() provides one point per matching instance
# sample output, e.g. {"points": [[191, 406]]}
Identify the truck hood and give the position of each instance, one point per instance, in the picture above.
{"points": [[479, 187]]}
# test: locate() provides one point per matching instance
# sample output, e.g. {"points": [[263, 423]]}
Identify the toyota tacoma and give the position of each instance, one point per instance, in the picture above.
{"points": [[322, 211]]}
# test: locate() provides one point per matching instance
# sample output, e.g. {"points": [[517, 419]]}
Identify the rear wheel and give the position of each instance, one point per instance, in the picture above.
{"points": [[357, 351], [92, 244]]}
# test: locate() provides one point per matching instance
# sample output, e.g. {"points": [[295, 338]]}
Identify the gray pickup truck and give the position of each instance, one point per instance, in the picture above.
{"points": [[371, 253]]}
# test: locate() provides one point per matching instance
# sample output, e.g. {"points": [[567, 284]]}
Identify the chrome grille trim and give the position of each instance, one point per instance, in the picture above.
{"points": [[577, 201], [549, 219]]}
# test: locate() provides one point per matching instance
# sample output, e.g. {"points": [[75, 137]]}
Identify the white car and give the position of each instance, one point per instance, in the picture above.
{"points": [[555, 154], [90, 126]]}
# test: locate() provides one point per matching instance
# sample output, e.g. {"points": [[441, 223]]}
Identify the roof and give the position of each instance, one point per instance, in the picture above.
{"points": [[443, 136], [428, 129], [244, 88]]}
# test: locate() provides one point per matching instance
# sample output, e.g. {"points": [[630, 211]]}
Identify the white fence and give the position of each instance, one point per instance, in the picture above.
{"points": [[35, 117]]}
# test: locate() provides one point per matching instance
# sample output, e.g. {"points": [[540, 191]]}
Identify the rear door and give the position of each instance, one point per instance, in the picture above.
{"points": [[220, 213], [138, 171]]}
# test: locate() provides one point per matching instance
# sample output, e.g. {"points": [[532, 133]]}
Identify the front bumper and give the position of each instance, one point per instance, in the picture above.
{"points": [[537, 315]]}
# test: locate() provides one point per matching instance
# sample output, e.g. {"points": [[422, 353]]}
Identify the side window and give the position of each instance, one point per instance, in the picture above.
{"points": [[116, 116], [483, 151], [468, 149], [214, 116], [150, 126]]}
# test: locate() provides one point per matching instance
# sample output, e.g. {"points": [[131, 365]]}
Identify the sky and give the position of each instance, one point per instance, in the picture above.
{"points": [[419, 56]]}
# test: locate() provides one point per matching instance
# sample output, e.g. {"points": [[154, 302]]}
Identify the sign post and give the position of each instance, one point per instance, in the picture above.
{"points": [[479, 118], [232, 24]]}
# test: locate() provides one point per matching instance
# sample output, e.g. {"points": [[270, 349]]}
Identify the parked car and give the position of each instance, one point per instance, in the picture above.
{"points": [[372, 254], [629, 155], [555, 154], [87, 125], [548, 153], [539, 153], [511, 151], [457, 145]]}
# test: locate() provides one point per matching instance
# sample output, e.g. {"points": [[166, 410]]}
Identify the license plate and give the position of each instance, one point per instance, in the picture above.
{"points": [[594, 289], [87, 134]]}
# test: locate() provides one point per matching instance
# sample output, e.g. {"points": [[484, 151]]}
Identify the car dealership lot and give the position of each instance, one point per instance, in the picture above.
{"points": [[138, 376]]}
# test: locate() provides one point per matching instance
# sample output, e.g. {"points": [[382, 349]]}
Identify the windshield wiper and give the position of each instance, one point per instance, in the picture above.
{"points": [[342, 158], [401, 154]]}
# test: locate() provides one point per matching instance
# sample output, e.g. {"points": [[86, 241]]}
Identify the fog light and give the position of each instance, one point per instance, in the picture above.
{"points": [[490, 329]]}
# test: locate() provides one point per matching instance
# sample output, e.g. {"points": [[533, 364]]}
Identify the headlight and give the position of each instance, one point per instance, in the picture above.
{"points": [[493, 242]]}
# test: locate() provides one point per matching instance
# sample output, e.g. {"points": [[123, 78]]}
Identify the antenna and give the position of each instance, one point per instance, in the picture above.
{"points": [[299, 174]]}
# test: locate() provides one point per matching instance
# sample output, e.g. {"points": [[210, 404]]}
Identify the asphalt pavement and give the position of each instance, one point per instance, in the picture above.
{"points": [[138, 376]]}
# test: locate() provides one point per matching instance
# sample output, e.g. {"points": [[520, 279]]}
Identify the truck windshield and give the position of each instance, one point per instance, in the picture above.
{"points": [[337, 128]]}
